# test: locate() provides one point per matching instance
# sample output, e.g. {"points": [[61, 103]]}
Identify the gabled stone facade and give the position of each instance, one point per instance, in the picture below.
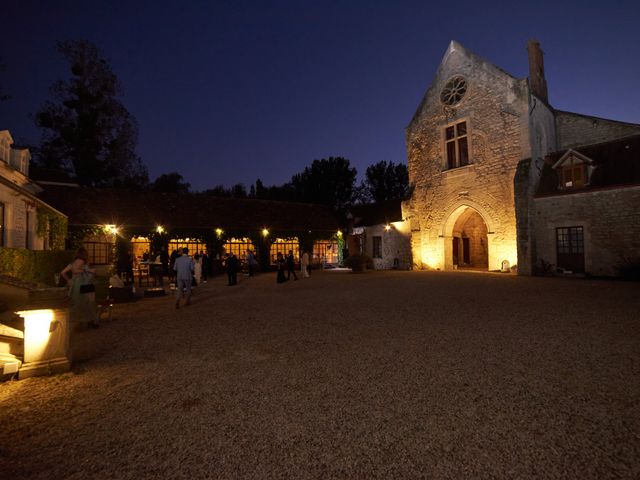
{"points": [[476, 147]]}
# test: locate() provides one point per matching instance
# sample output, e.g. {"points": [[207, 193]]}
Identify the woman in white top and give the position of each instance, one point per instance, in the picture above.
{"points": [[197, 268]]}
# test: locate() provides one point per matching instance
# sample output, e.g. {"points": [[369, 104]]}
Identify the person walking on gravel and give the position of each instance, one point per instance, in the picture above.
{"points": [[290, 266], [184, 272]]}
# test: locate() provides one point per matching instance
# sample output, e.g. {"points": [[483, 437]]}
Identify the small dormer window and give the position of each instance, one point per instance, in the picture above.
{"points": [[573, 170], [573, 176]]}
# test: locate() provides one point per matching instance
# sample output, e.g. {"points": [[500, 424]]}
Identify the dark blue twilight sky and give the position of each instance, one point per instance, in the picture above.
{"points": [[231, 91]]}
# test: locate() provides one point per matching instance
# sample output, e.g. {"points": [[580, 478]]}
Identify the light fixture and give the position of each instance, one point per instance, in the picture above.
{"points": [[160, 229], [219, 232], [265, 232], [110, 229], [339, 233], [387, 227]]}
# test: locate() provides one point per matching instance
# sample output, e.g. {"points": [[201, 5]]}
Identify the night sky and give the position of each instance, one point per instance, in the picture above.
{"points": [[227, 92]]}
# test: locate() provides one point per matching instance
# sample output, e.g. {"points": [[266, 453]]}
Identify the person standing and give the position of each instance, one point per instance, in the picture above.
{"points": [[291, 266], [183, 267], [197, 268], [81, 289], [205, 266], [172, 262], [251, 262], [304, 264], [281, 264], [232, 269]]}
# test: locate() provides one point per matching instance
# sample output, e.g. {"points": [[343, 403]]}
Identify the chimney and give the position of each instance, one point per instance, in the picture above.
{"points": [[536, 70]]}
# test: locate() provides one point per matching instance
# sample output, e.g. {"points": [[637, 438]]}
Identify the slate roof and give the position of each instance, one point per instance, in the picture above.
{"points": [[617, 163], [140, 208], [376, 213]]}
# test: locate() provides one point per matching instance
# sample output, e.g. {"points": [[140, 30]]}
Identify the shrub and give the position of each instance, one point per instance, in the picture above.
{"points": [[37, 266], [358, 261]]}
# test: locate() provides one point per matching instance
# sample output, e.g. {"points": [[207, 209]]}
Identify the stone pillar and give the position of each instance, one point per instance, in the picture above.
{"points": [[46, 342]]}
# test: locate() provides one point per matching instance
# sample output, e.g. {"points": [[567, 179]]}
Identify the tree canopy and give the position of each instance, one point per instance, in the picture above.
{"points": [[87, 130], [327, 181], [385, 181], [170, 183]]}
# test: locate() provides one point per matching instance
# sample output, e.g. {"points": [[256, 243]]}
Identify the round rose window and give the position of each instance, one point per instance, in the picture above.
{"points": [[453, 91]]}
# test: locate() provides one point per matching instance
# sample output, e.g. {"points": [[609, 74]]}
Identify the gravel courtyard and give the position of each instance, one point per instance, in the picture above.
{"points": [[378, 375]]}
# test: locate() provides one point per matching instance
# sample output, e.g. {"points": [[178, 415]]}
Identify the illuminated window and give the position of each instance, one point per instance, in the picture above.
{"points": [[456, 145], [573, 176], [283, 245], [377, 247], [140, 246], [193, 244], [239, 247], [325, 251], [573, 170]]}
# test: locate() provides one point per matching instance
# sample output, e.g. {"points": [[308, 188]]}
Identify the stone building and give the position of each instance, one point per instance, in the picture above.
{"points": [[377, 229], [476, 147], [586, 210], [24, 217]]}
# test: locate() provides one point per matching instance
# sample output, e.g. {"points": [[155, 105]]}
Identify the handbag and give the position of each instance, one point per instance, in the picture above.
{"points": [[87, 288]]}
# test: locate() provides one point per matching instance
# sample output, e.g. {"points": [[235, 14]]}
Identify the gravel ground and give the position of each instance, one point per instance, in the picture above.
{"points": [[380, 375]]}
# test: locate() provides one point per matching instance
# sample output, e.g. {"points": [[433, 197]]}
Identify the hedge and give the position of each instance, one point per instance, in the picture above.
{"points": [[33, 265]]}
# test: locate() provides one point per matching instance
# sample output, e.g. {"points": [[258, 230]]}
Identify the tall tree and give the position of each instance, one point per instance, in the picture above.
{"points": [[170, 183], [385, 181], [87, 130], [327, 181]]}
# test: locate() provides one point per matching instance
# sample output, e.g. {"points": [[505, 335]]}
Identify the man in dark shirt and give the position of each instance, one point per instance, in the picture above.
{"points": [[232, 269], [291, 266]]}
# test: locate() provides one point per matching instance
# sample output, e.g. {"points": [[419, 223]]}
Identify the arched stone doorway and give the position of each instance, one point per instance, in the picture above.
{"points": [[466, 240]]}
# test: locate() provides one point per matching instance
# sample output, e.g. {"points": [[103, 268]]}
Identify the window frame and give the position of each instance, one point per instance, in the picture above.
{"points": [[99, 252], [239, 247], [456, 142], [376, 246], [284, 245]]}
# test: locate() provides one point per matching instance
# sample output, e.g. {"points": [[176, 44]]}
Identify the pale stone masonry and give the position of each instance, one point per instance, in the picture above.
{"points": [[610, 220], [476, 148]]}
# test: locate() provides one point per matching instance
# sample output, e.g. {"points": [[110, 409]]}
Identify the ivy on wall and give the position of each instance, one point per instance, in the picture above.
{"points": [[54, 225]]}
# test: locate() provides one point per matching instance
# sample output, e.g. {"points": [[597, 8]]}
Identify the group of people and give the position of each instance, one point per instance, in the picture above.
{"points": [[181, 268], [287, 264]]}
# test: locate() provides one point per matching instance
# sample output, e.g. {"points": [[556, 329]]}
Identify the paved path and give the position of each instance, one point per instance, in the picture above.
{"points": [[380, 375]]}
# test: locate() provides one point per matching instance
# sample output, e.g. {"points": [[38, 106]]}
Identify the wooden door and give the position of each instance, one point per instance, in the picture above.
{"points": [[466, 253], [456, 250]]}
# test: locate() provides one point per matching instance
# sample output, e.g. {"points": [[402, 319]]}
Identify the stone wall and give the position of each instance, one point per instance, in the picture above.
{"points": [[395, 245], [575, 130], [15, 217], [495, 107], [611, 222]]}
